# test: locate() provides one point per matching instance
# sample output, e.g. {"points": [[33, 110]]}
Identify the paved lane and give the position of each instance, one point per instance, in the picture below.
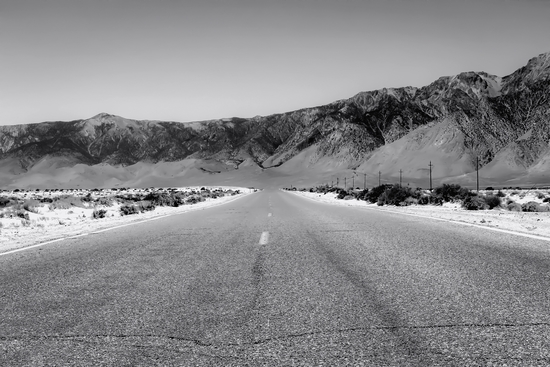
{"points": [[276, 279]]}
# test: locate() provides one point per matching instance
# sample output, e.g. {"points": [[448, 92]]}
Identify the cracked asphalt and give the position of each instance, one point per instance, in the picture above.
{"points": [[273, 279]]}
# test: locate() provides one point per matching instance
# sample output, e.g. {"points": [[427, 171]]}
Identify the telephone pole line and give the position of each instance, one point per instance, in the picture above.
{"points": [[477, 174], [431, 165]]}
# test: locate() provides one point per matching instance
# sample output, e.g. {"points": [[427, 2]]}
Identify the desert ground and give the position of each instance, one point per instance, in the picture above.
{"points": [[532, 223], [28, 217]]}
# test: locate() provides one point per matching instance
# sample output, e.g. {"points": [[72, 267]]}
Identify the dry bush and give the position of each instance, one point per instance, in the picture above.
{"points": [[474, 202], [493, 201], [513, 207], [4, 201], [66, 202], [100, 213], [31, 205], [533, 206], [128, 209]]}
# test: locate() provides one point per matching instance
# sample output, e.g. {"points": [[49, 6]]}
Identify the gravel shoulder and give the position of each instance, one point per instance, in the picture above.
{"points": [[523, 222]]}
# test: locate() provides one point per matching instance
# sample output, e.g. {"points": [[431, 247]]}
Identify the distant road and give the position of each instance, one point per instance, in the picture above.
{"points": [[279, 280]]}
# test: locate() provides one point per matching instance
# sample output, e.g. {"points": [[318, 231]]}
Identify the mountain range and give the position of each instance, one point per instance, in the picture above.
{"points": [[452, 124]]}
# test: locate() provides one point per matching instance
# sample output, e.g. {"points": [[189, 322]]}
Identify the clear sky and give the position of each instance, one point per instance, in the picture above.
{"points": [[196, 60]]}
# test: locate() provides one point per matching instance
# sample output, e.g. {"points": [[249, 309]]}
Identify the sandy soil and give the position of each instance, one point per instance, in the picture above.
{"points": [[531, 223], [47, 225]]}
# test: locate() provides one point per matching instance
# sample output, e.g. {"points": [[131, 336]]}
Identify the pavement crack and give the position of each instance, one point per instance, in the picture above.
{"points": [[201, 343], [197, 342]]}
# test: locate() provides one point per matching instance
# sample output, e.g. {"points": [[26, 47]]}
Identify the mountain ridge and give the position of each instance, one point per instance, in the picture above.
{"points": [[487, 115]]}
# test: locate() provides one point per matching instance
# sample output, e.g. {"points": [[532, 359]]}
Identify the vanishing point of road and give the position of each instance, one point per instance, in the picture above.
{"points": [[274, 279]]}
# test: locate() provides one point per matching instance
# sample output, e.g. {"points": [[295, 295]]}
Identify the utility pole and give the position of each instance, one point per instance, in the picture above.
{"points": [[345, 183], [477, 174], [400, 177], [431, 165], [337, 181], [379, 177], [365, 182], [353, 182]]}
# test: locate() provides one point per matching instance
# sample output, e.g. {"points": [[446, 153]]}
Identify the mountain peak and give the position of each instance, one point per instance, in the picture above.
{"points": [[102, 115], [536, 70]]}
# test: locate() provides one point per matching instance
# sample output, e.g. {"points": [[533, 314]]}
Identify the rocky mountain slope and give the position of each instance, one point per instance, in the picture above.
{"points": [[503, 121]]}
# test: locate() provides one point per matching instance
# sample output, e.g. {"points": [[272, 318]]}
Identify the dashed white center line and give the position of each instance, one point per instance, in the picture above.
{"points": [[264, 238]]}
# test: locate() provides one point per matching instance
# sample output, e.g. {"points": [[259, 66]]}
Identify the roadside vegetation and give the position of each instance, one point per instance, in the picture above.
{"points": [[397, 195], [36, 208]]}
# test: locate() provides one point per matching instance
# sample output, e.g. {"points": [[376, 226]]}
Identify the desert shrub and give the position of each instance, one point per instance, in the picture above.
{"points": [[88, 198], [46, 200], [500, 194], [342, 194], [533, 206], [513, 207], [59, 205], [128, 209], [22, 214], [30, 205], [540, 195], [424, 200], [493, 201], [474, 202], [25, 222], [349, 197], [66, 202], [514, 193], [100, 213], [145, 206], [410, 201], [451, 192], [373, 194], [546, 200], [165, 199], [490, 188], [193, 199], [395, 195], [105, 201], [4, 201], [362, 195]]}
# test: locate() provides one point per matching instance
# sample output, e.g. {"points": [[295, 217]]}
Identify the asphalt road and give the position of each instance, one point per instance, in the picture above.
{"points": [[326, 285]]}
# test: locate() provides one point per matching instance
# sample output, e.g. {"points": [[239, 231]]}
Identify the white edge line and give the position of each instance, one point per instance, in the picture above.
{"points": [[119, 226], [521, 234], [28, 247]]}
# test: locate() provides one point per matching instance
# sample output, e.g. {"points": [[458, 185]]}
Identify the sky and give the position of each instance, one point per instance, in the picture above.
{"points": [[198, 60]]}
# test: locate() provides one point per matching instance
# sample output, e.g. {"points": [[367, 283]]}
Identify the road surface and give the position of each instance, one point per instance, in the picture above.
{"points": [[275, 279]]}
